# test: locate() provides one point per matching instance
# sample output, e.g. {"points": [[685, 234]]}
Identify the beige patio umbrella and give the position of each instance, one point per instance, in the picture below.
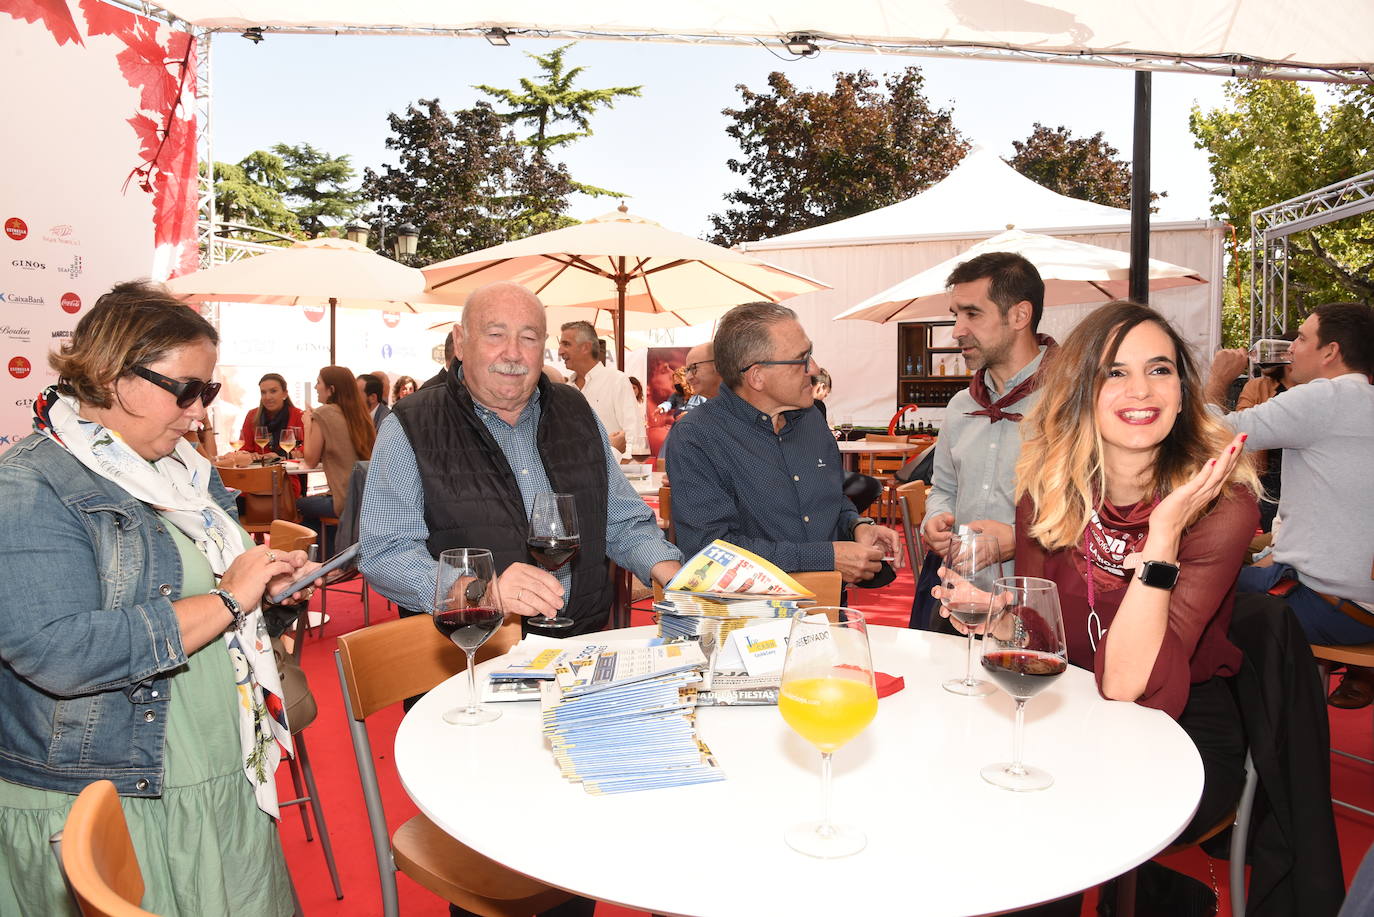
{"points": [[624, 263], [1074, 272], [317, 272]]}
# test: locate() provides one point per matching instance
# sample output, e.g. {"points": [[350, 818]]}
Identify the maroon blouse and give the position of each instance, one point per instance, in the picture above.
{"points": [[1195, 646]]}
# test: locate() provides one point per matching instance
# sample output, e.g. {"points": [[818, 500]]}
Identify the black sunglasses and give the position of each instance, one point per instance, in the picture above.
{"points": [[803, 360], [185, 392]]}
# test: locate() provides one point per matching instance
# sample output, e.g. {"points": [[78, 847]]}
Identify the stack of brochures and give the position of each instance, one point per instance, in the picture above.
{"points": [[624, 719], [722, 590]]}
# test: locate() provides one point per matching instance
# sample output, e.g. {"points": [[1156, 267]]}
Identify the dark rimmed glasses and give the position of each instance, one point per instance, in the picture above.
{"points": [[185, 392], [803, 361], [691, 368]]}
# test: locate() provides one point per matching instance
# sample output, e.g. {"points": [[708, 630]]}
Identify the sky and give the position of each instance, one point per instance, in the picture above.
{"points": [[667, 150]]}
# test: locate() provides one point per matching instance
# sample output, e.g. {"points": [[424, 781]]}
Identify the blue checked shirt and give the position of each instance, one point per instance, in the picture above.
{"points": [[780, 495], [392, 525]]}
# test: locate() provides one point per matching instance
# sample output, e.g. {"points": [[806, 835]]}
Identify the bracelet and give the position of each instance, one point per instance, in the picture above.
{"points": [[231, 603]]}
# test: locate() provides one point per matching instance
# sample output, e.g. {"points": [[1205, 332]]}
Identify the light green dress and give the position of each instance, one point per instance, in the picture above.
{"points": [[204, 846]]}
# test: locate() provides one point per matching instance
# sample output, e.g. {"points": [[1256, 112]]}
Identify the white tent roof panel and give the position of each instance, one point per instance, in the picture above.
{"points": [[1306, 33]]}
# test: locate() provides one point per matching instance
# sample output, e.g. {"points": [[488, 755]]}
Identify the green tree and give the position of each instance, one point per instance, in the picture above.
{"points": [[251, 191], [550, 100], [813, 157], [1272, 141], [316, 187], [1087, 168], [464, 181]]}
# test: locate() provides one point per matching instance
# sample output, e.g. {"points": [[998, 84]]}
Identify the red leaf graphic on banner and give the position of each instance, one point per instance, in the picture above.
{"points": [[147, 130], [54, 15], [106, 19], [144, 66]]}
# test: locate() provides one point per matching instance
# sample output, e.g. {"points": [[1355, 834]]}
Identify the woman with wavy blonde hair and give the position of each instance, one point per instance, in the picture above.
{"points": [[1138, 504]]}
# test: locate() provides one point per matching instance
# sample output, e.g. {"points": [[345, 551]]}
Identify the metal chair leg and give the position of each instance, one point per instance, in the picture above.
{"points": [[300, 794], [309, 772]]}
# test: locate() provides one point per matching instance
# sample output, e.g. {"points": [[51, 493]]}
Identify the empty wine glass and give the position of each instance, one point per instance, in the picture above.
{"points": [[553, 540], [828, 697], [1024, 652], [971, 567], [467, 610]]}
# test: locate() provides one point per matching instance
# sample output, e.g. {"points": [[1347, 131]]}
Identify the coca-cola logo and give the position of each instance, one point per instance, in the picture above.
{"points": [[16, 229], [20, 367], [71, 303], [392, 319], [26, 265], [314, 313]]}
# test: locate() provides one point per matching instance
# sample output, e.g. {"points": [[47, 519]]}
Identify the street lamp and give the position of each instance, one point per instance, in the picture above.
{"points": [[357, 231], [403, 248], [407, 241]]}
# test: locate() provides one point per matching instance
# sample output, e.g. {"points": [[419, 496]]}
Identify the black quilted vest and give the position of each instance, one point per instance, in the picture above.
{"points": [[471, 496]]}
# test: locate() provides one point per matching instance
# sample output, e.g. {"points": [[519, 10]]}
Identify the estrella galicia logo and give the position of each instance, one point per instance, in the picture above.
{"points": [[21, 299], [72, 270], [16, 229], [26, 265], [20, 367]]}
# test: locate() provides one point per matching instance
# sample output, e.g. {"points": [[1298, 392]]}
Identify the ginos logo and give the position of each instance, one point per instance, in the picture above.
{"points": [[392, 319], [20, 367], [71, 303], [26, 265], [314, 313], [16, 228]]}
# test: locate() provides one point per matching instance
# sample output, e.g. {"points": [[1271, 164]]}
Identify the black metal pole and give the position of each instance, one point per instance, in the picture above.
{"points": [[1140, 191]]}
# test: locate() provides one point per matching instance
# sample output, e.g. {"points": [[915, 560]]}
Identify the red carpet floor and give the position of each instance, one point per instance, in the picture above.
{"points": [[332, 755]]}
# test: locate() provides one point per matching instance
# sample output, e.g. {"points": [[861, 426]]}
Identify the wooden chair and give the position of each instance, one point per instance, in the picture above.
{"points": [[883, 467], [665, 513], [1328, 657], [267, 496], [826, 585], [290, 536], [379, 666], [98, 857], [911, 500]]}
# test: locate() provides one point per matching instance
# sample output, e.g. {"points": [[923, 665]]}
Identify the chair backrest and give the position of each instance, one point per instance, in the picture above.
{"points": [[266, 495], [98, 855], [388, 662], [912, 498], [289, 536], [347, 535], [665, 512], [880, 466], [825, 584]]}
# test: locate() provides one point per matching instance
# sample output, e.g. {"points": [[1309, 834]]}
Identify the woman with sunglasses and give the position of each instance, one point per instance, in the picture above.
{"points": [[131, 644]]}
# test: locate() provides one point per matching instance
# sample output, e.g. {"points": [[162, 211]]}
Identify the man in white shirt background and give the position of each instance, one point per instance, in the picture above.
{"points": [[607, 390]]}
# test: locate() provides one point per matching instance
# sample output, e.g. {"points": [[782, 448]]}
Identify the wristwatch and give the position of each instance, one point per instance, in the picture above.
{"points": [[235, 609], [1158, 574], [863, 520]]}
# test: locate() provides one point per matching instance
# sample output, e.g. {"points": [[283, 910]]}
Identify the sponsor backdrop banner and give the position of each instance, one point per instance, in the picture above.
{"points": [[99, 165]]}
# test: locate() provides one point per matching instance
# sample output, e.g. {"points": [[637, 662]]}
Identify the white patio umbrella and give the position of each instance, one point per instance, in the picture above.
{"points": [[316, 272], [624, 263], [1074, 272]]}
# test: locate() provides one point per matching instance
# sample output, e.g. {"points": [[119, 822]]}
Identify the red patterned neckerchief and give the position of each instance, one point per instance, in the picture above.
{"points": [[978, 388]]}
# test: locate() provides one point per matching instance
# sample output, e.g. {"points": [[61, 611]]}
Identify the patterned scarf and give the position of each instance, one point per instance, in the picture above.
{"points": [[177, 487], [978, 388]]}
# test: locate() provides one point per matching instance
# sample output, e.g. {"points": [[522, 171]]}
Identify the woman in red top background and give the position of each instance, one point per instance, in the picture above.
{"points": [[277, 413], [1125, 482]]}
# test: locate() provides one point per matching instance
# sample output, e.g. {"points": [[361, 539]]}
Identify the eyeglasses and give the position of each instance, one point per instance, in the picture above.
{"points": [[804, 360], [185, 392], [691, 368]]}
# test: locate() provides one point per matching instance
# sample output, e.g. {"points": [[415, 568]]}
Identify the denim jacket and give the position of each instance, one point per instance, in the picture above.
{"points": [[89, 641]]}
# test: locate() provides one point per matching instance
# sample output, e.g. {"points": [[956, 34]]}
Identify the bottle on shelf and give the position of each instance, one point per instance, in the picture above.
{"points": [[910, 366]]}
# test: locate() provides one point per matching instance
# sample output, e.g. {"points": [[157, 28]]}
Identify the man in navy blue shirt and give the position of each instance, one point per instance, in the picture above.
{"points": [[758, 466]]}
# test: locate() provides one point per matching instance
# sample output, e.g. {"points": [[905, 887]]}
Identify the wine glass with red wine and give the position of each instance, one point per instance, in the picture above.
{"points": [[1023, 652], [971, 567], [467, 610], [553, 541]]}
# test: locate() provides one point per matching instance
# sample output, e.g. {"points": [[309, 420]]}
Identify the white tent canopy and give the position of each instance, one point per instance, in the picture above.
{"points": [[1209, 35], [863, 255]]}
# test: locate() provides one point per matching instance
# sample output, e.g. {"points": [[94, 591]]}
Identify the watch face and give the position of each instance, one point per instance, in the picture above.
{"points": [[1158, 574]]}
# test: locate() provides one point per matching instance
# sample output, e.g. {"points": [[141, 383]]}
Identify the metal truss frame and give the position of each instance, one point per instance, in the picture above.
{"points": [[1270, 228]]}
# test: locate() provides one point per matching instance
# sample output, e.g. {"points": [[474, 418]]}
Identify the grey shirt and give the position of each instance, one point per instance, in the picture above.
{"points": [[975, 459], [1326, 431]]}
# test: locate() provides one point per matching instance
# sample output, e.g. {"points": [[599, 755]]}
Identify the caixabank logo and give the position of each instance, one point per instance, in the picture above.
{"points": [[16, 229], [22, 299], [25, 264], [20, 367], [9, 439]]}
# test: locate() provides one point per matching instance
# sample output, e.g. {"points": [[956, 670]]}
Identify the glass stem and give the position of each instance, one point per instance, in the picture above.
{"points": [[968, 667], [1018, 732], [472, 681], [825, 829]]}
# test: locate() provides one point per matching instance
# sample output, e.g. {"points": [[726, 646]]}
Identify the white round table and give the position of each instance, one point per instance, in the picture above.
{"points": [[941, 841]]}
